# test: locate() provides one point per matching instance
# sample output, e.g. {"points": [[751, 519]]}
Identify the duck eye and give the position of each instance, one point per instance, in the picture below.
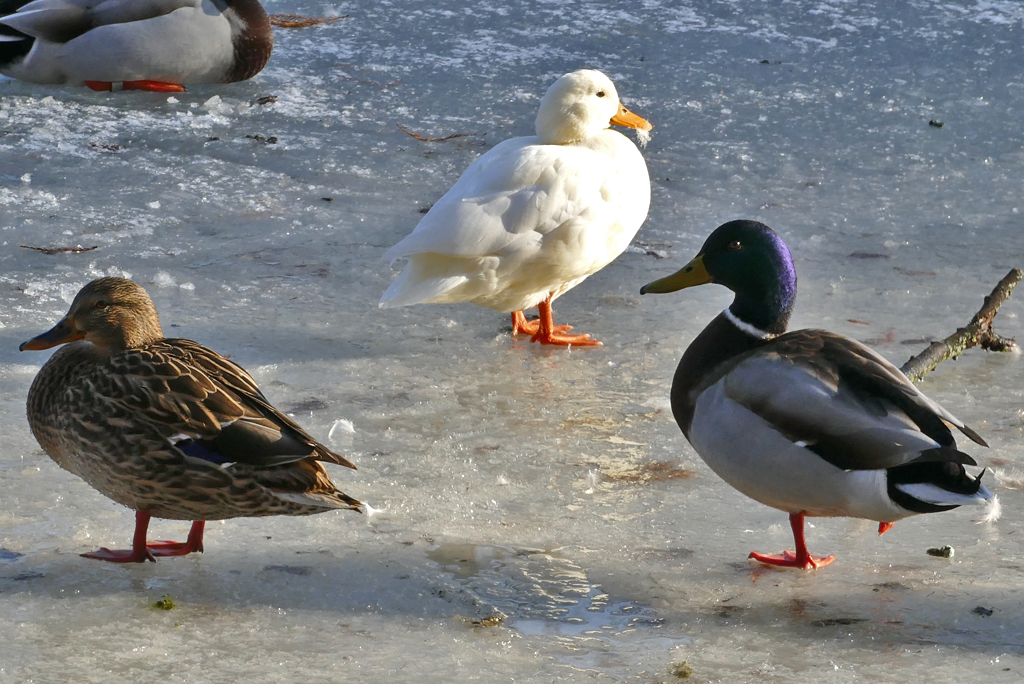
{"points": [[102, 304], [735, 244], [600, 93]]}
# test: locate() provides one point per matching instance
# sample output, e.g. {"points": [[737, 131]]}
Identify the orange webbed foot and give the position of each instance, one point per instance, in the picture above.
{"points": [[142, 551], [194, 544], [555, 337], [151, 552], [133, 556], [520, 324], [170, 548], [544, 330], [788, 559], [801, 559]]}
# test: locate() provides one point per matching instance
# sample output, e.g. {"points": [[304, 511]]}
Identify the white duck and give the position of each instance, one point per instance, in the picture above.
{"points": [[535, 216], [157, 45]]}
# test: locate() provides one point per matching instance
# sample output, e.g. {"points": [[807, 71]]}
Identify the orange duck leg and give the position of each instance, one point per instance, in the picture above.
{"points": [[152, 86], [521, 325], [545, 331], [801, 559], [142, 551]]}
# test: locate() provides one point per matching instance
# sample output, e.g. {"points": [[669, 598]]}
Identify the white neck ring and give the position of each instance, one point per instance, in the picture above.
{"points": [[746, 327]]}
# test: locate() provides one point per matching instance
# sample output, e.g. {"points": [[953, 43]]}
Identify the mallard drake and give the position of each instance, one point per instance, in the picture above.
{"points": [[158, 45], [809, 422], [535, 216], [167, 427]]}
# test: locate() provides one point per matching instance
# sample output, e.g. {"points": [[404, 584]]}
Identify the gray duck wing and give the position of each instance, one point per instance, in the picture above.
{"points": [[60, 21], [842, 401]]}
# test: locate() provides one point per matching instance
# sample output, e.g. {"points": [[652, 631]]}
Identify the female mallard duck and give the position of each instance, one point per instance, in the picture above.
{"points": [[535, 216], [809, 422], [166, 426], [158, 45]]}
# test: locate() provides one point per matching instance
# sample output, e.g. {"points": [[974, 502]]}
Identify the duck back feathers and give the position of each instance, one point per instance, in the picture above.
{"points": [[173, 41]]}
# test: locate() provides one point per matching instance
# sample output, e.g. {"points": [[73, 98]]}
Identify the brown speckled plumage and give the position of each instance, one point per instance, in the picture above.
{"points": [[166, 425]]}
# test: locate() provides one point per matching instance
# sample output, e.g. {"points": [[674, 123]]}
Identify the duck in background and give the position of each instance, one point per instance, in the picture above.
{"points": [[166, 426], [535, 216], [157, 45], [809, 422]]}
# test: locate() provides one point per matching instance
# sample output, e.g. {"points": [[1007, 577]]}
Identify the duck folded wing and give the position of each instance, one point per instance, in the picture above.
{"points": [[510, 199], [202, 403], [843, 402], [306, 483], [862, 365], [60, 21]]}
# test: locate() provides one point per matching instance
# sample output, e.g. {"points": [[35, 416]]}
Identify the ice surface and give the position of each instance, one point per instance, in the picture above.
{"points": [[548, 486]]}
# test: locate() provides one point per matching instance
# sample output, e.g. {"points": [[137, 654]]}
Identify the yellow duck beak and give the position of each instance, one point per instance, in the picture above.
{"points": [[690, 275], [61, 333], [624, 117]]}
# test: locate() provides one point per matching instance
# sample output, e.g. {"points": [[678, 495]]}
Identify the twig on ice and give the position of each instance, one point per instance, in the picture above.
{"points": [[58, 250], [424, 138], [978, 332], [300, 21]]}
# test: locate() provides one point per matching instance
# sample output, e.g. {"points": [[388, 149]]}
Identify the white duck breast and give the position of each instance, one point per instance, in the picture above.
{"points": [[535, 216], [169, 41]]}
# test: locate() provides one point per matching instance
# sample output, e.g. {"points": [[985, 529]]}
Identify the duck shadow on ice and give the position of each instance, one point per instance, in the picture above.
{"points": [[546, 592], [531, 590], [898, 606]]}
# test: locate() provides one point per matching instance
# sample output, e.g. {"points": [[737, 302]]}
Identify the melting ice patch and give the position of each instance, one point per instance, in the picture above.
{"points": [[540, 591]]}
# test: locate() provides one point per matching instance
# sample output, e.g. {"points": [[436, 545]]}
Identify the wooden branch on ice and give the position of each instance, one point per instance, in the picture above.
{"points": [[977, 333], [58, 250], [300, 21], [424, 138]]}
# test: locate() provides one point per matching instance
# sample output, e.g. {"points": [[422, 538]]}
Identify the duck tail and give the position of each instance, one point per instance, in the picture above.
{"points": [[929, 486], [419, 283], [326, 500], [57, 21], [14, 45]]}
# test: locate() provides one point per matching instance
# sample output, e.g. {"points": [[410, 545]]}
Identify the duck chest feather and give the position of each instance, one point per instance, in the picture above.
{"points": [[715, 351]]}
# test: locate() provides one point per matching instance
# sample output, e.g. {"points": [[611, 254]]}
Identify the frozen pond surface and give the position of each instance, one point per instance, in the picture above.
{"points": [[550, 485]]}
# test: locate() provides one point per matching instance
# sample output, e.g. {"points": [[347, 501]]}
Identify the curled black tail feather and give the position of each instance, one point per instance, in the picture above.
{"points": [[948, 475], [12, 51]]}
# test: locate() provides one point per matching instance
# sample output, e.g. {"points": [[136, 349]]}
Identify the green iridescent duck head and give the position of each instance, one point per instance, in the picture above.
{"points": [[750, 259]]}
